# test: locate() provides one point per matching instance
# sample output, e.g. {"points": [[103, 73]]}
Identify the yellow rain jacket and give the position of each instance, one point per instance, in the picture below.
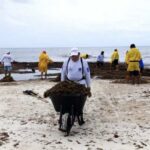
{"points": [[84, 56], [133, 58], [114, 56], [44, 60]]}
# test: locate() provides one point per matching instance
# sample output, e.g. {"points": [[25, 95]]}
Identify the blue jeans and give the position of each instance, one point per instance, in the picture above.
{"points": [[7, 68]]}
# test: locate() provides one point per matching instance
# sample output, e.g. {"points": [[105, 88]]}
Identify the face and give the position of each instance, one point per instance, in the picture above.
{"points": [[75, 58]]}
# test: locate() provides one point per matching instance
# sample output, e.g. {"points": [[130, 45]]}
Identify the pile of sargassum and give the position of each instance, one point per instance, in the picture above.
{"points": [[67, 87]]}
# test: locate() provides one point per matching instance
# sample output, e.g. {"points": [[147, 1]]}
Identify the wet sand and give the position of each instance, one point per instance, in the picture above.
{"points": [[117, 118]]}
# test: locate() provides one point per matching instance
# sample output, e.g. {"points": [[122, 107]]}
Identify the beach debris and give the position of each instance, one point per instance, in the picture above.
{"points": [[78, 142], [99, 149], [23, 122], [4, 136], [58, 142], [123, 81], [44, 136], [138, 146], [34, 94], [110, 139], [116, 135], [70, 140], [16, 144], [143, 144], [1, 143], [91, 141], [30, 92], [7, 79], [146, 93], [67, 87]]}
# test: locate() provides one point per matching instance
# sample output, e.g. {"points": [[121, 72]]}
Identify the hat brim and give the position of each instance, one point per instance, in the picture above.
{"points": [[74, 54]]}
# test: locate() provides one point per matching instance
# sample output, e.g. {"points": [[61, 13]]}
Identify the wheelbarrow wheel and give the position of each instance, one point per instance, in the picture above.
{"points": [[60, 120], [69, 125], [70, 120]]}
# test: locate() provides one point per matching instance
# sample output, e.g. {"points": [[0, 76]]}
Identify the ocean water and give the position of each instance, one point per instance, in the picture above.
{"points": [[30, 76], [59, 54]]}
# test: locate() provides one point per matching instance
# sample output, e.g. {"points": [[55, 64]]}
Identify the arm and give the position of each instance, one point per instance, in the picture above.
{"points": [[50, 61], [87, 74], [88, 78]]}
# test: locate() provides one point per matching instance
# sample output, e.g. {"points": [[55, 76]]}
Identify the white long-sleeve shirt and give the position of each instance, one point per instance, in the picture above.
{"points": [[6, 60], [100, 58], [74, 72]]}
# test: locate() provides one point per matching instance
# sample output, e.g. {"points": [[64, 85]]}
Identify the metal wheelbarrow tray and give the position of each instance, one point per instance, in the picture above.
{"points": [[68, 100]]}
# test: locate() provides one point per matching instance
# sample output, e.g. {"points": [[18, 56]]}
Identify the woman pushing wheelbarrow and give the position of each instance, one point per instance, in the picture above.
{"points": [[70, 96]]}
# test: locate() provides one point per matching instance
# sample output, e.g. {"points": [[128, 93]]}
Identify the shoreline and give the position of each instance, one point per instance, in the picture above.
{"points": [[54, 70]]}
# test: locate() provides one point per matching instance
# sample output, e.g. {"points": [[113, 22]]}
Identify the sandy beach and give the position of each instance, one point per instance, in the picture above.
{"points": [[117, 118]]}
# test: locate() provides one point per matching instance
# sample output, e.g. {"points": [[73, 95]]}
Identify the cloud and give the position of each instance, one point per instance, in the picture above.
{"points": [[22, 1], [66, 21], [1, 4]]}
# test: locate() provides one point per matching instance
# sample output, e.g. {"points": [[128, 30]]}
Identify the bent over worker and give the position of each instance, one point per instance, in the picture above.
{"points": [[76, 69], [115, 60]]}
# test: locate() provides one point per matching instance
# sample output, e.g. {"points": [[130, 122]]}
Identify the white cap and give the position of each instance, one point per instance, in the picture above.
{"points": [[74, 52]]}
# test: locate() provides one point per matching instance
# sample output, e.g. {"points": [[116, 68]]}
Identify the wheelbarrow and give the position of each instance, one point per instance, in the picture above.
{"points": [[70, 105]]}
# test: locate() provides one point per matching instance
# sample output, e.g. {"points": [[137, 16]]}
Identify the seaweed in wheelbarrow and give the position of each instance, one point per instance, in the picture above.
{"points": [[67, 87]]}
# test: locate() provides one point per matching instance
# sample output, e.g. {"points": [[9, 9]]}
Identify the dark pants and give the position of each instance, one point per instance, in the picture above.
{"points": [[100, 64]]}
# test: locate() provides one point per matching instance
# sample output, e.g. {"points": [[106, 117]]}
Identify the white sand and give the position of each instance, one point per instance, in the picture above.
{"points": [[117, 118]]}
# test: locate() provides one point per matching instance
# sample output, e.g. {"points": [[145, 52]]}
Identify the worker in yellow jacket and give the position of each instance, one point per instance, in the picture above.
{"points": [[84, 56], [115, 59], [133, 58], [44, 60]]}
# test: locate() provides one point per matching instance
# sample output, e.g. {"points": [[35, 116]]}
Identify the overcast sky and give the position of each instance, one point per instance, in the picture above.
{"points": [[56, 23]]}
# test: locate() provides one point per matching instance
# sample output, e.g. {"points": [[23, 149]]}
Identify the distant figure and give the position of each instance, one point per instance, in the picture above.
{"points": [[115, 60], [133, 58], [84, 56], [44, 60], [100, 59], [7, 62]]}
